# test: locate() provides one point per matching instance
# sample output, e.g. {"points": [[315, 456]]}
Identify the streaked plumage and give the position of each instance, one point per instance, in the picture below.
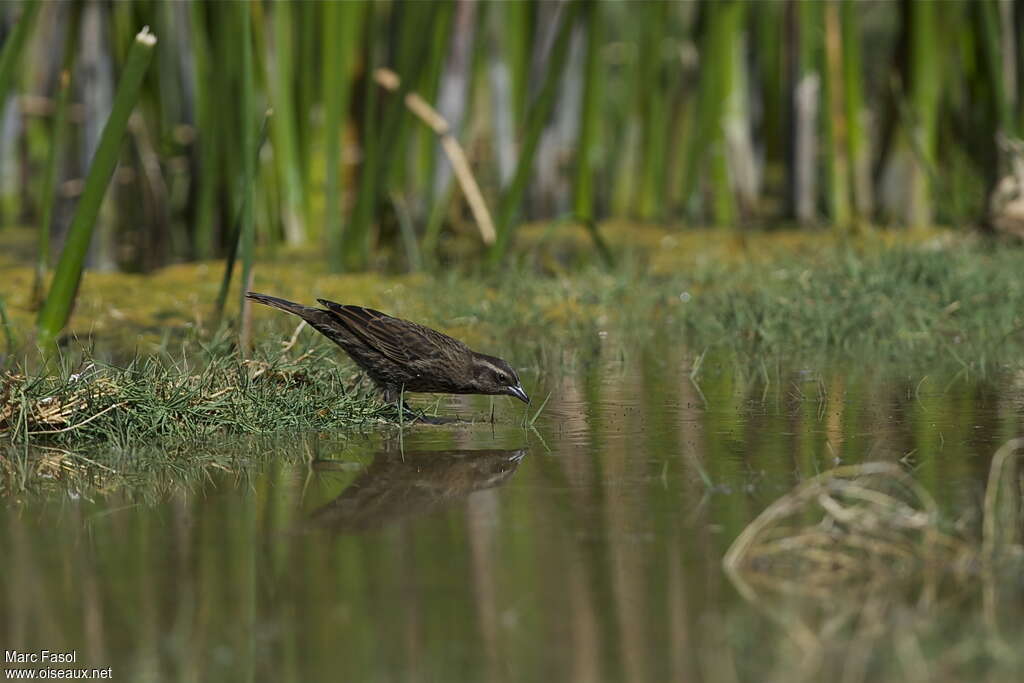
{"points": [[402, 355]]}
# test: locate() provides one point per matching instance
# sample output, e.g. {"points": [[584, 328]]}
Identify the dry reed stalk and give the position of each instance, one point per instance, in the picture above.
{"points": [[840, 552], [391, 81]]}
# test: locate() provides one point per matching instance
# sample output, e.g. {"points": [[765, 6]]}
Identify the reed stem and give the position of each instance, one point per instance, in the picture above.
{"points": [[61, 297]]}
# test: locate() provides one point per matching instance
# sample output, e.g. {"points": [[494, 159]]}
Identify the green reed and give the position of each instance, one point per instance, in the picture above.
{"points": [[14, 47], [61, 296], [838, 129], [358, 234], [247, 227], [652, 75], [589, 138], [926, 59], [285, 124], [730, 114], [539, 112], [48, 188], [340, 26], [853, 100], [208, 118]]}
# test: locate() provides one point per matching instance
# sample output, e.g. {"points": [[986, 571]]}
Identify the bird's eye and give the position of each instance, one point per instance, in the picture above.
{"points": [[502, 379]]}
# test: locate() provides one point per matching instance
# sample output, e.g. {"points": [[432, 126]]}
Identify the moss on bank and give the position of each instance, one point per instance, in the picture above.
{"points": [[903, 298]]}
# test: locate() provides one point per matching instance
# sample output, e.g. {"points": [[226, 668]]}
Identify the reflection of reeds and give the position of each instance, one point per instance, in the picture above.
{"points": [[850, 554], [1001, 534]]}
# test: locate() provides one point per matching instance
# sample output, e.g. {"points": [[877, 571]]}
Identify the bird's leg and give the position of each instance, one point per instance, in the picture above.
{"points": [[394, 396]]}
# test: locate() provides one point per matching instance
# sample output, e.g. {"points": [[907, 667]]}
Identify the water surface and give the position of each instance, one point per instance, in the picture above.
{"points": [[587, 547]]}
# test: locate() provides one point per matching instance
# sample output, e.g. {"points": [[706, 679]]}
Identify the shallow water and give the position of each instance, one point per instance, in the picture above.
{"points": [[588, 547]]}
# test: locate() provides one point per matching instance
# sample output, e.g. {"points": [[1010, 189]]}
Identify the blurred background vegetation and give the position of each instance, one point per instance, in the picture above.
{"points": [[832, 114]]}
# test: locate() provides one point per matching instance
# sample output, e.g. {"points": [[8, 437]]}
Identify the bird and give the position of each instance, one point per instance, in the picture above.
{"points": [[403, 356]]}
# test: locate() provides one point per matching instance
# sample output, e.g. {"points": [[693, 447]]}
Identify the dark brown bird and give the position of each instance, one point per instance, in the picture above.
{"points": [[400, 355]]}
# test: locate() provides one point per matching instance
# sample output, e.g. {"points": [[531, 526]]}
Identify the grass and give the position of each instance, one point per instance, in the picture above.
{"points": [[906, 300], [159, 375], [88, 419], [906, 307]]}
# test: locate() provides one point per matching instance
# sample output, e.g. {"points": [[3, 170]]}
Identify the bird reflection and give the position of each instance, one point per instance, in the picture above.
{"points": [[399, 486]]}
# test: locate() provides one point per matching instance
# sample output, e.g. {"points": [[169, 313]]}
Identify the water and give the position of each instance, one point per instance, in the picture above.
{"points": [[587, 548]]}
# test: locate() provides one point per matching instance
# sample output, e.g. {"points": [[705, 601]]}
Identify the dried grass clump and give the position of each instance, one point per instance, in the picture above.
{"points": [[857, 566], [858, 527], [25, 413]]}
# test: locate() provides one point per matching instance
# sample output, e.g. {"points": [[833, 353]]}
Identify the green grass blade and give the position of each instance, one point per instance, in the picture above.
{"points": [[236, 230], [57, 309], [539, 410], [5, 323], [14, 46], [408, 233], [248, 104]]}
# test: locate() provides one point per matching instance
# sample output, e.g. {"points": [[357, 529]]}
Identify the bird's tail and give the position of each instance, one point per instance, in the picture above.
{"points": [[304, 312]]}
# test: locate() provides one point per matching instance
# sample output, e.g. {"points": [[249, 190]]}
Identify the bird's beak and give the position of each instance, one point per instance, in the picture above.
{"points": [[519, 393]]}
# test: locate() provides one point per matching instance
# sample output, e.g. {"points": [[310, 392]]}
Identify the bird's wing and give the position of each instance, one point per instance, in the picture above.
{"points": [[400, 340]]}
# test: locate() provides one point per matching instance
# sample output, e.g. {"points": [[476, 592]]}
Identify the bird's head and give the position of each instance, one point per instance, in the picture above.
{"points": [[494, 376]]}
